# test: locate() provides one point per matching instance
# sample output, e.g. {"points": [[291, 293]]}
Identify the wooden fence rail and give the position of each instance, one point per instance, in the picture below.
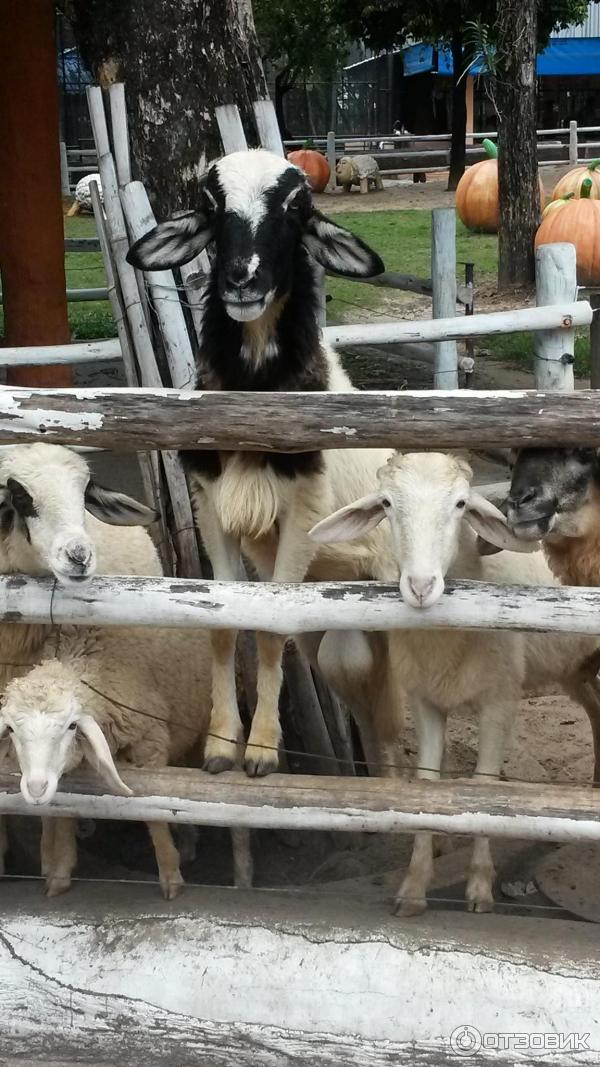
{"points": [[139, 419], [287, 609], [300, 802]]}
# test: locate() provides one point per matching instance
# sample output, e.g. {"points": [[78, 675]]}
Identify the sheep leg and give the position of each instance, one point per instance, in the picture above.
{"points": [[294, 555], [261, 756], [494, 723], [47, 844], [167, 859], [63, 857], [364, 185], [430, 725], [243, 864], [378, 182], [225, 729]]}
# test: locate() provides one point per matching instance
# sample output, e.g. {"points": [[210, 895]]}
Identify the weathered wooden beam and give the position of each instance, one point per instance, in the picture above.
{"points": [[132, 419], [79, 352], [302, 802], [288, 609], [552, 317]]}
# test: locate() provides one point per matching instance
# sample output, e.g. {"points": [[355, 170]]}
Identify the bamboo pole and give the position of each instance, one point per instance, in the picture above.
{"points": [[231, 130], [110, 600], [299, 802]]}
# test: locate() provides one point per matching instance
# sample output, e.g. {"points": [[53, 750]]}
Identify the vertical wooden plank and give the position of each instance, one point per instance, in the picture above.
{"points": [[555, 282], [165, 297], [443, 278], [64, 170], [120, 135], [31, 216], [595, 342], [191, 274], [230, 128], [268, 127], [331, 184], [573, 146]]}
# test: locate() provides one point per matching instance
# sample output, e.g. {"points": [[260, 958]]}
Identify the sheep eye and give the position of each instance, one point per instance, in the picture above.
{"points": [[72, 726], [386, 503], [461, 504]]}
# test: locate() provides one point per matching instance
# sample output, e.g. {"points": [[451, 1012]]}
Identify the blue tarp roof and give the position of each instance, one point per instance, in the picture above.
{"points": [[570, 56]]}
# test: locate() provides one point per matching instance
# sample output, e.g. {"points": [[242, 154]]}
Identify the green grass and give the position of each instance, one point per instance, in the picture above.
{"points": [[403, 240], [85, 270], [518, 348]]}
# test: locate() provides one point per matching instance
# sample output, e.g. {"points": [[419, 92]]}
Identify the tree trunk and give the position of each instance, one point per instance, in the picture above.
{"points": [[459, 113], [517, 147], [32, 253], [178, 62]]}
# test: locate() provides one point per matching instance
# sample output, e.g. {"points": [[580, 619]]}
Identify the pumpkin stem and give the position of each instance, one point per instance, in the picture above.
{"points": [[491, 149], [586, 185], [593, 164]]}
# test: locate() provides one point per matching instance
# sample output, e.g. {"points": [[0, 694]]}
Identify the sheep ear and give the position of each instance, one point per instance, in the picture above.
{"points": [[103, 757], [350, 522], [338, 250], [117, 509], [171, 243], [491, 525]]}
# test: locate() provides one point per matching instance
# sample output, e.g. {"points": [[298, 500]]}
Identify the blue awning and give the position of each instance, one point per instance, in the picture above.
{"points": [[563, 56]]}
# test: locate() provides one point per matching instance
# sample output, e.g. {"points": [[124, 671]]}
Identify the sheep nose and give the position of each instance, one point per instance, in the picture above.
{"points": [[524, 496], [238, 276], [420, 587], [80, 555], [37, 786]]}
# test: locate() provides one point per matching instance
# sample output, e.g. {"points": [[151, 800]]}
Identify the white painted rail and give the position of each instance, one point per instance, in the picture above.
{"points": [[286, 609]]}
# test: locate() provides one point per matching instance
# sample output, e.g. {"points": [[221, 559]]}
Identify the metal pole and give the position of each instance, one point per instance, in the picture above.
{"points": [[443, 279], [330, 187], [573, 147]]}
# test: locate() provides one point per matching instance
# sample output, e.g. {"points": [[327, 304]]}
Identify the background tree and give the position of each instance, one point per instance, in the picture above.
{"points": [[299, 39], [522, 29], [178, 62], [384, 24]]}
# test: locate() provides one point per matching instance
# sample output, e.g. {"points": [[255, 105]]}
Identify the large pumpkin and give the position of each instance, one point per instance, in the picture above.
{"points": [[571, 183], [314, 165], [578, 223], [477, 193]]}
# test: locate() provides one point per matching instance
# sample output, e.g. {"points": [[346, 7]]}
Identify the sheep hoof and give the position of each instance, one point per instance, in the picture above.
{"points": [[407, 909], [216, 764], [261, 764], [171, 887], [56, 886], [479, 907]]}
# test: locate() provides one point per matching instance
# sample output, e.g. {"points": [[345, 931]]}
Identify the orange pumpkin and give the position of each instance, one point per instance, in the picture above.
{"points": [[578, 223], [314, 165], [477, 193], [571, 183], [555, 204]]}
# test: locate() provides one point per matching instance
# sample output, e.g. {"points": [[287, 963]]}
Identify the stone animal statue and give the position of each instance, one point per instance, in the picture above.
{"points": [[358, 170]]}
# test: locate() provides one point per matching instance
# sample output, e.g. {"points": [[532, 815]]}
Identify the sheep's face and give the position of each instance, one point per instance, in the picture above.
{"points": [[43, 720], [257, 213], [554, 492], [425, 497], [44, 493]]}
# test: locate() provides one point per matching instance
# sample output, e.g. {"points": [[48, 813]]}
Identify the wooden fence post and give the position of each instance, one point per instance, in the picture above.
{"points": [[556, 281], [330, 187], [573, 146], [595, 342], [443, 279]]}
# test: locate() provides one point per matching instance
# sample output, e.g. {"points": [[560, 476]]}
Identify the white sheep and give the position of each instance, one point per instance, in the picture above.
{"points": [[434, 518], [53, 520], [135, 695]]}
